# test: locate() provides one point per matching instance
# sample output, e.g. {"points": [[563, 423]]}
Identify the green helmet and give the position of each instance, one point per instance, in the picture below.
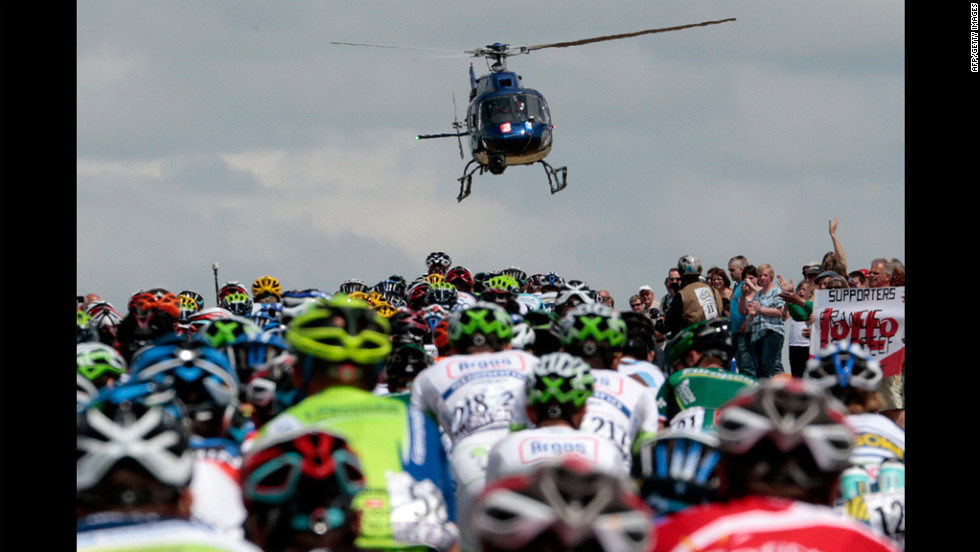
{"points": [[560, 378], [480, 319], [362, 339], [593, 321], [708, 336], [503, 282], [222, 331], [96, 359]]}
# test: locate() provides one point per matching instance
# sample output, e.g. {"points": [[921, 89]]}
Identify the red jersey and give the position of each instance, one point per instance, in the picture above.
{"points": [[759, 524]]}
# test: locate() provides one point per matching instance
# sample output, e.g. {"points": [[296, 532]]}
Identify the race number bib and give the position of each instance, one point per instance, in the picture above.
{"points": [[691, 419], [480, 409]]}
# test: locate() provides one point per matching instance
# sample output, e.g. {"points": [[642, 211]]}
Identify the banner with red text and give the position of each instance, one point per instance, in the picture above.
{"points": [[873, 317]]}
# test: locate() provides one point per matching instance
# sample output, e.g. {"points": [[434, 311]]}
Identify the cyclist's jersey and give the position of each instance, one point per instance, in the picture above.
{"points": [[701, 391], [402, 460], [464, 299], [215, 485], [650, 373], [113, 532], [758, 523], [529, 302], [524, 451], [622, 410], [877, 439], [471, 393]]}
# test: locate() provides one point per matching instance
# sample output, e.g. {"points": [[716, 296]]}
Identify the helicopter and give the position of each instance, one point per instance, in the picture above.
{"points": [[507, 124]]}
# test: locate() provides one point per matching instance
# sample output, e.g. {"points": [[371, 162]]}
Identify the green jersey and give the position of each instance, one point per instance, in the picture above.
{"points": [[401, 457], [691, 396]]}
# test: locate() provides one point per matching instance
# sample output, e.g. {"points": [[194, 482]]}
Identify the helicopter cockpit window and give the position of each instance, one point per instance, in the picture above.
{"points": [[500, 110], [535, 108]]}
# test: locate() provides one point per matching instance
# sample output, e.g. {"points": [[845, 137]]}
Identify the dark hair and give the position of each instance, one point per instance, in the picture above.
{"points": [[724, 276], [750, 270]]}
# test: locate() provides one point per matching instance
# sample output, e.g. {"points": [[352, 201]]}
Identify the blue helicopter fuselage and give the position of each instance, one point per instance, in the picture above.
{"points": [[504, 119]]}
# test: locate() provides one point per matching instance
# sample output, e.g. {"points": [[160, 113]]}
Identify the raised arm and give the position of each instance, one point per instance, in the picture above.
{"points": [[838, 250]]}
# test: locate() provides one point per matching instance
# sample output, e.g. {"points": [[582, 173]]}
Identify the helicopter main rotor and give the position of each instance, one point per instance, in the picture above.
{"points": [[497, 54]]}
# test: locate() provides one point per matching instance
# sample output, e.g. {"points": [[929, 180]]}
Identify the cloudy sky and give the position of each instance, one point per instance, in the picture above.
{"points": [[233, 132]]}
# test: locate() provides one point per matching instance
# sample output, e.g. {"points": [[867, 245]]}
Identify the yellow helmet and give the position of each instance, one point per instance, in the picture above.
{"points": [[266, 285], [435, 277]]}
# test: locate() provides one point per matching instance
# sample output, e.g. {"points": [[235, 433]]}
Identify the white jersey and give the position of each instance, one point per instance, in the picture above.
{"points": [[620, 409], [472, 393], [877, 439], [218, 500], [162, 534], [524, 451], [650, 373]]}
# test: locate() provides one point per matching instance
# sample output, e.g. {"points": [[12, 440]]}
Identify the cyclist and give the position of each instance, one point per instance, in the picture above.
{"points": [[205, 383], [566, 507], [437, 262], [783, 446], [700, 378], [340, 346], [640, 351], [266, 289], [678, 470], [868, 491], [557, 389], [620, 408], [475, 393], [299, 492], [134, 471], [100, 364]]}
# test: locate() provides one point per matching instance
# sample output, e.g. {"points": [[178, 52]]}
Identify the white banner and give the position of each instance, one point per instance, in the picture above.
{"points": [[873, 317]]}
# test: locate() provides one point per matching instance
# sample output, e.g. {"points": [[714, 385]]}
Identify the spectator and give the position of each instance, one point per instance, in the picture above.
{"points": [[636, 304], [718, 279], [891, 388], [799, 344], [880, 274], [768, 311], [859, 278], [743, 360], [650, 303], [694, 301], [606, 298]]}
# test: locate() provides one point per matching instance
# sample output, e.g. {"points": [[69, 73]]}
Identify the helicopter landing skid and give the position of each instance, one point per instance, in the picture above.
{"points": [[466, 180], [557, 178]]}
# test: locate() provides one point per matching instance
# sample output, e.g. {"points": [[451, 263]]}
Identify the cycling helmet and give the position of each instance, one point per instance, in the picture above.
{"points": [[481, 324], [443, 294], [432, 314], [591, 328], [479, 279], [265, 286], [545, 326], [460, 277], [231, 287], [438, 261], [559, 384], [689, 265], [384, 308], [85, 331], [404, 363], [501, 290], [194, 296], [138, 423], [566, 507], [99, 363], [523, 336], [440, 336], [188, 305], [343, 336], [300, 485], [263, 313], [222, 331], [195, 322], [203, 379], [105, 319], [416, 295], [249, 353], [85, 390], [296, 301], [844, 364], [517, 274], [236, 302], [787, 433], [351, 285], [390, 286], [572, 294], [709, 337], [677, 470], [408, 327]]}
